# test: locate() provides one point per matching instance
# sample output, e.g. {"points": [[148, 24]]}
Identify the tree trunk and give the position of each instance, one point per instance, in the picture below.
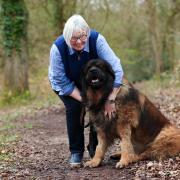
{"points": [[62, 11], [170, 32], [58, 22], [154, 31], [15, 46], [16, 70]]}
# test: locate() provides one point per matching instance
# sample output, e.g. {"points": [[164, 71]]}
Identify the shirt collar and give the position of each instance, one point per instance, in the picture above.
{"points": [[86, 48]]}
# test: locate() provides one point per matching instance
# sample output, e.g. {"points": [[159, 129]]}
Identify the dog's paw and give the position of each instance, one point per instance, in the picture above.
{"points": [[121, 164], [92, 163]]}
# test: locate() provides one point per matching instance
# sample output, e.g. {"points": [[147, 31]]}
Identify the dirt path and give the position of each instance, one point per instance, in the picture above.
{"points": [[42, 152]]}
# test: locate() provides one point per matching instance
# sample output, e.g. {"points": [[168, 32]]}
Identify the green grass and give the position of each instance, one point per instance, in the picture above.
{"points": [[7, 138], [7, 126], [4, 157], [4, 141], [11, 116], [7, 99], [28, 126]]}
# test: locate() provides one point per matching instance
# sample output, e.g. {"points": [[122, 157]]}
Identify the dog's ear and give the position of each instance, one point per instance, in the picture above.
{"points": [[83, 86], [109, 70]]}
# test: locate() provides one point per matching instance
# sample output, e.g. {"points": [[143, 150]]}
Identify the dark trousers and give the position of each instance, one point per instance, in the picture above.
{"points": [[75, 128]]}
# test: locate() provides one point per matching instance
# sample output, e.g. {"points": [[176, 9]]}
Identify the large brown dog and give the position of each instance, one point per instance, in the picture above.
{"points": [[144, 132]]}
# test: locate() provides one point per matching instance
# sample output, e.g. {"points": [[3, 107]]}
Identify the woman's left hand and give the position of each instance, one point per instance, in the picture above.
{"points": [[110, 109]]}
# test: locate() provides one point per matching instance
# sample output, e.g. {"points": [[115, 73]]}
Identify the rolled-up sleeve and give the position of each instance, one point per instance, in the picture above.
{"points": [[106, 53], [57, 76]]}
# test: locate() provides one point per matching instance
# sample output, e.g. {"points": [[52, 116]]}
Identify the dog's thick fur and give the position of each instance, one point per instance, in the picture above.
{"points": [[144, 132]]}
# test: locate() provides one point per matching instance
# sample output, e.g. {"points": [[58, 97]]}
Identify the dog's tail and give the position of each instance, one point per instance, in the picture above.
{"points": [[166, 144]]}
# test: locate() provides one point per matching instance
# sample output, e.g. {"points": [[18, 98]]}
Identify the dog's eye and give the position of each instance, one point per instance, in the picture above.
{"points": [[93, 70]]}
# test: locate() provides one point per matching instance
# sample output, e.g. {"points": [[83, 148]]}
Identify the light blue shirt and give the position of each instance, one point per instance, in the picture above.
{"points": [[57, 76]]}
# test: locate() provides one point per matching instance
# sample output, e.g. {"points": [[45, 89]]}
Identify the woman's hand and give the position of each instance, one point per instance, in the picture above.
{"points": [[76, 94], [109, 109]]}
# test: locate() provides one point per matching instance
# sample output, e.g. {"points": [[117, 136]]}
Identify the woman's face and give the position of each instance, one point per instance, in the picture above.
{"points": [[78, 40]]}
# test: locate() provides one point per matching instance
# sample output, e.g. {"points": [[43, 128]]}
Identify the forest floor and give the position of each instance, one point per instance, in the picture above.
{"points": [[41, 151]]}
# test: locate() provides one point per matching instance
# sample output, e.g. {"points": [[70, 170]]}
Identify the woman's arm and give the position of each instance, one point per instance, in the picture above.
{"points": [[57, 76]]}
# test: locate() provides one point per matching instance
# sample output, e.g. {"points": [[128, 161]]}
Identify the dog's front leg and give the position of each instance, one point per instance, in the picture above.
{"points": [[127, 151], [100, 151]]}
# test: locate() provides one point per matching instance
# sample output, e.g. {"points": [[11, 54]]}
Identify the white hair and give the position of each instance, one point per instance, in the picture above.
{"points": [[73, 24]]}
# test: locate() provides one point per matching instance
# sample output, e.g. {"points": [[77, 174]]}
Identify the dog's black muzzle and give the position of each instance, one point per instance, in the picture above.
{"points": [[95, 77]]}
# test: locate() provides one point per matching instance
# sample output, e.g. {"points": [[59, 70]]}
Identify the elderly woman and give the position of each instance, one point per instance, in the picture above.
{"points": [[69, 53]]}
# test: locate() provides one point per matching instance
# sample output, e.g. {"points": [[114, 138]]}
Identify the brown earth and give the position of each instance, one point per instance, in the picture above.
{"points": [[42, 151]]}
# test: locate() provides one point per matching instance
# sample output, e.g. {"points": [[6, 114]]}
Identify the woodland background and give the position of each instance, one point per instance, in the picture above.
{"points": [[145, 35]]}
